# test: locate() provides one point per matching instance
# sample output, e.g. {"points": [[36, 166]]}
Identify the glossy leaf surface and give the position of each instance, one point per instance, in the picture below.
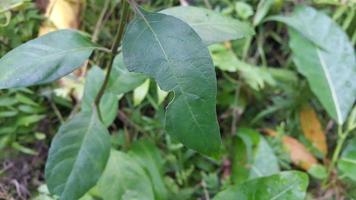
{"points": [[44, 59], [323, 53], [211, 26], [168, 50], [77, 156], [290, 185]]}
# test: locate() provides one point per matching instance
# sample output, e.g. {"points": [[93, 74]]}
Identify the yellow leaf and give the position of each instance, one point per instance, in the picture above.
{"points": [[312, 129], [298, 153], [62, 14]]}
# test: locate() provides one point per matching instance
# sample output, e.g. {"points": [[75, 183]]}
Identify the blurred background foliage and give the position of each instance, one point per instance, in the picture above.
{"points": [[269, 118]]}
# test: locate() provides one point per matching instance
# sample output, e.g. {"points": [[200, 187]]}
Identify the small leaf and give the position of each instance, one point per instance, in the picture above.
{"points": [[168, 50], [262, 10], [44, 59], [323, 53], [318, 171], [211, 26], [312, 129], [161, 95], [347, 161], [140, 92], [124, 178], [299, 154], [77, 156], [290, 185], [253, 157]]}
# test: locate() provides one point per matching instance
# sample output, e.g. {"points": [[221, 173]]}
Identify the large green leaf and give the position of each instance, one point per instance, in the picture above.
{"points": [[347, 162], [44, 59], [77, 156], [211, 26], [323, 53], [124, 179], [168, 50], [109, 102], [290, 185], [148, 157], [253, 157]]}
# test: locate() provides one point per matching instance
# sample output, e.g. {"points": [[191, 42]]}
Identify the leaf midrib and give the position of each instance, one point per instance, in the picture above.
{"points": [[175, 77]]}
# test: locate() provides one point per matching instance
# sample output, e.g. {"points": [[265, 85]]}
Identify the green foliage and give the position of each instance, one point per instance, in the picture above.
{"points": [[286, 185], [209, 25], [347, 162], [179, 62], [44, 59], [327, 60], [77, 156]]}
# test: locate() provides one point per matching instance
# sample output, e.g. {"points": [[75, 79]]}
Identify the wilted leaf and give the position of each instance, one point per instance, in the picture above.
{"points": [[312, 129], [62, 14], [323, 53], [168, 50], [299, 154], [289, 185], [44, 59], [211, 26], [77, 156]]}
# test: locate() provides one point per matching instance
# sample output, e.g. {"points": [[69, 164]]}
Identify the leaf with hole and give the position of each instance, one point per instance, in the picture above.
{"points": [[167, 49], [77, 156], [44, 59]]}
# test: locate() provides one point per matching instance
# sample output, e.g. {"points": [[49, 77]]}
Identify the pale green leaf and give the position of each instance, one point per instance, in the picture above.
{"points": [[124, 178], [140, 92], [289, 185], [77, 156], [211, 26], [168, 50], [323, 53], [44, 59]]}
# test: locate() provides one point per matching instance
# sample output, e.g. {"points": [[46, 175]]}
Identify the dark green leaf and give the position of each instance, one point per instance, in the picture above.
{"points": [[289, 185], [211, 26], [77, 156], [44, 59], [323, 53], [168, 50], [124, 179]]}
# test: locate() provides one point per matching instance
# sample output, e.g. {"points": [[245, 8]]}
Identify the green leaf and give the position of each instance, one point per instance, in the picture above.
{"points": [[124, 178], [121, 80], [77, 156], [262, 10], [44, 59], [141, 92], [290, 185], [323, 53], [161, 95], [109, 102], [347, 161], [253, 157], [211, 26], [168, 50], [149, 158]]}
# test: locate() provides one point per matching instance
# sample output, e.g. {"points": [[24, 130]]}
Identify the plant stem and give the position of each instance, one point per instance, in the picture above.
{"points": [[114, 51], [340, 142]]}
